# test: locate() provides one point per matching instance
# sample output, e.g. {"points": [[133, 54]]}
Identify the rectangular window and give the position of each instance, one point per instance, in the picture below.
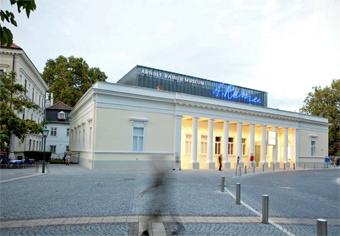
{"points": [[217, 145], [25, 86], [231, 146], [23, 114], [29, 147], [62, 115], [1, 72], [204, 144], [53, 132], [188, 144], [83, 138], [312, 145], [33, 95], [37, 146], [67, 147], [33, 145], [53, 148], [244, 147], [68, 132], [90, 137], [138, 139]]}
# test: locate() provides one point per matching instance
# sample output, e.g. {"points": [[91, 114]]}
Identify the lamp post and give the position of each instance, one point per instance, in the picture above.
{"points": [[45, 133]]}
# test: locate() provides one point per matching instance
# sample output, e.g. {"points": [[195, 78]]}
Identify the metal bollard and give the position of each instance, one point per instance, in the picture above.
{"points": [[284, 166], [262, 168], [253, 168], [324, 166], [304, 165], [240, 170], [294, 166], [222, 184], [265, 209], [273, 167], [314, 165], [321, 226], [245, 170], [238, 194]]}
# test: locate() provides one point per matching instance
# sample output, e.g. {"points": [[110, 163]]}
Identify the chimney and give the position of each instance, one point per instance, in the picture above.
{"points": [[160, 88]]}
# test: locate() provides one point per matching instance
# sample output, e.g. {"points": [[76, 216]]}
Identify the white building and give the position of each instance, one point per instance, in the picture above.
{"points": [[123, 125], [59, 129], [15, 59]]}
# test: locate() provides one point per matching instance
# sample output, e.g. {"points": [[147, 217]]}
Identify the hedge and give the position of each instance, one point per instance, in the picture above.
{"points": [[38, 156]]}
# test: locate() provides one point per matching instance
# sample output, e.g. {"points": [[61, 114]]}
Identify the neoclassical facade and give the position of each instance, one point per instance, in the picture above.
{"points": [[15, 59], [125, 125]]}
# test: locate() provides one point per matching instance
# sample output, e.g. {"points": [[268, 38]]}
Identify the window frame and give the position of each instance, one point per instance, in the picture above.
{"points": [[138, 139], [204, 144], [188, 144], [218, 145], [54, 132], [231, 146], [244, 146], [137, 122]]}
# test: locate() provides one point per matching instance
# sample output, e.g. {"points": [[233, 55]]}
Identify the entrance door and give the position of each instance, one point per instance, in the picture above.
{"points": [[257, 154]]}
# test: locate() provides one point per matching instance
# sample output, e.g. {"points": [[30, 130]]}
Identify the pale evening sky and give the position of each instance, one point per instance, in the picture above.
{"points": [[279, 46]]}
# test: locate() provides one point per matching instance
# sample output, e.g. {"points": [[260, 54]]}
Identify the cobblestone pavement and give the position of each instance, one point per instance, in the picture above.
{"points": [[85, 229], [74, 191]]}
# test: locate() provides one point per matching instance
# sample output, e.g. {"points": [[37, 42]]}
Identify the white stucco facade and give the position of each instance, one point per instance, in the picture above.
{"points": [[15, 59], [111, 120]]}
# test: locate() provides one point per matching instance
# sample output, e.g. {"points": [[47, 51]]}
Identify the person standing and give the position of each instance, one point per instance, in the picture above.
{"points": [[67, 157], [220, 162], [252, 160], [327, 161]]}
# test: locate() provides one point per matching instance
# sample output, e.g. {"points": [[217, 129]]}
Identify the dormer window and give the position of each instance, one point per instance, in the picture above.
{"points": [[62, 115]]}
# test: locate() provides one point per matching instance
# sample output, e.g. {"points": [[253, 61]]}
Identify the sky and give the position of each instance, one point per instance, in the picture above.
{"points": [[282, 47]]}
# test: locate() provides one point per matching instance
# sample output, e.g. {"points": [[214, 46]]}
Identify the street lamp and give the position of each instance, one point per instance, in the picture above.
{"points": [[45, 133]]}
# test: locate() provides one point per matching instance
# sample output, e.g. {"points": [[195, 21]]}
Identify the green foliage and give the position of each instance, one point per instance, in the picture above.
{"points": [[69, 78], [12, 99], [6, 35], [325, 102]]}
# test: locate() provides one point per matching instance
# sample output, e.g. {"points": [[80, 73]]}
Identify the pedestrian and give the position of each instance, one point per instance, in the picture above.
{"points": [[67, 156], [220, 161], [252, 160], [327, 161], [237, 163]]}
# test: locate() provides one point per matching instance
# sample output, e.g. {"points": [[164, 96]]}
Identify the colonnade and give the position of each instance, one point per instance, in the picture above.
{"points": [[238, 143]]}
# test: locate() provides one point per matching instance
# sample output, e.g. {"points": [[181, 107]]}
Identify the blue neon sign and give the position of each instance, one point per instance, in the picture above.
{"points": [[231, 93]]}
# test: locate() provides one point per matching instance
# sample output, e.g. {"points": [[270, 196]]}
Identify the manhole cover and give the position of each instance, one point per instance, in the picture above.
{"points": [[286, 187]]}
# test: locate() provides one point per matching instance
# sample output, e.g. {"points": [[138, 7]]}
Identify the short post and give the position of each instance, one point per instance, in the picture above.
{"points": [[236, 170], [294, 166], [321, 226], [284, 166], [222, 183], [240, 170], [245, 170], [273, 167], [265, 209], [262, 168], [238, 194], [314, 165], [304, 165], [253, 168]]}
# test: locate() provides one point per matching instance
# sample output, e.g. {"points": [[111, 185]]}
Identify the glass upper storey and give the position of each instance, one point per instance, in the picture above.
{"points": [[147, 77]]}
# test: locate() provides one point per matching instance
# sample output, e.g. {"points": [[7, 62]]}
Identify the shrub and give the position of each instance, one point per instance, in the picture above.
{"points": [[38, 156]]}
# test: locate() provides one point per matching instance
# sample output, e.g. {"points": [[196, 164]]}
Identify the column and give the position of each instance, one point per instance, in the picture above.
{"points": [[239, 143], [225, 139], [195, 164], [285, 148], [296, 147], [251, 142], [275, 149], [210, 144], [177, 141], [12, 146], [264, 147]]}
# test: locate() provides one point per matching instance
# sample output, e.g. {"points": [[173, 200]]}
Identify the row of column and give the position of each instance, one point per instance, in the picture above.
{"points": [[195, 163]]}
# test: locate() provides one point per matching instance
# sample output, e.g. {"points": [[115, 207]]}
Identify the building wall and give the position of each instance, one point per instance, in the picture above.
{"points": [[61, 141], [321, 149]]}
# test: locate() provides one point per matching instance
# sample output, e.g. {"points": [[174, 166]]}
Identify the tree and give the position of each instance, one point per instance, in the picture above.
{"points": [[69, 78], [6, 36], [325, 102], [12, 99]]}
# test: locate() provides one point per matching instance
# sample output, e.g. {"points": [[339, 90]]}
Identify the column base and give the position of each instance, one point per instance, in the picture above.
{"points": [[275, 163], [285, 162], [211, 165], [263, 163], [226, 165], [241, 164], [195, 165]]}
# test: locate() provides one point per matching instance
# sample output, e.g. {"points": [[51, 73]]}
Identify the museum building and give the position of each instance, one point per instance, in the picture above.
{"points": [[150, 113]]}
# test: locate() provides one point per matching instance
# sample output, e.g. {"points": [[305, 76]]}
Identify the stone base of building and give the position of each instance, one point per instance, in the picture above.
{"points": [[195, 165], [275, 163], [263, 163], [283, 163], [226, 165], [241, 164], [211, 165]]}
